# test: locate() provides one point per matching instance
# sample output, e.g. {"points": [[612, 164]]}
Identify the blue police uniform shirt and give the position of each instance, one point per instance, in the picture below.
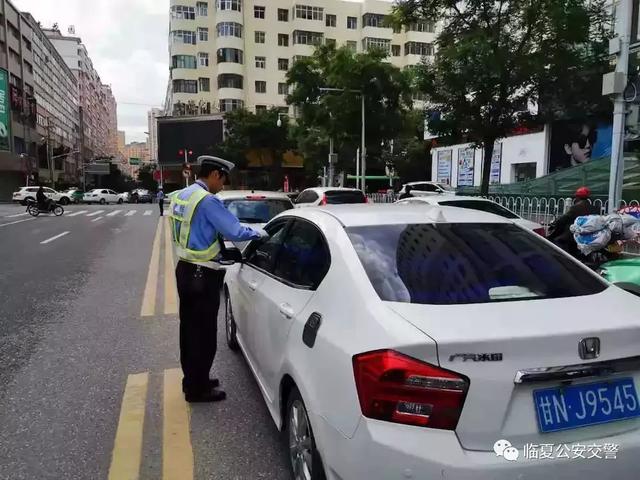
{"points": [[160, 195], [212, 217]]}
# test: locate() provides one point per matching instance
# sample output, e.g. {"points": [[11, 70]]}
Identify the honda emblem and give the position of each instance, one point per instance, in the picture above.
{"points": [[589, 348]]}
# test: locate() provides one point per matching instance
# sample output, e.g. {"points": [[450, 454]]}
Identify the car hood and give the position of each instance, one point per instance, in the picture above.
{"points": [[528, 224]]}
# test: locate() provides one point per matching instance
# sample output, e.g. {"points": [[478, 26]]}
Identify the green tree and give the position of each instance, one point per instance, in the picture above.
{"points": [[496, 60], [337, 114], [145, 178]]}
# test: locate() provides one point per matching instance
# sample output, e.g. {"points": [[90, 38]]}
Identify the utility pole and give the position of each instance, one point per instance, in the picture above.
{"points": [[363, 149], [620, 46]]}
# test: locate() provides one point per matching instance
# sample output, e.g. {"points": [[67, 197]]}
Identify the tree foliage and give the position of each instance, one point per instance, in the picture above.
{"points": [[497, 62]]}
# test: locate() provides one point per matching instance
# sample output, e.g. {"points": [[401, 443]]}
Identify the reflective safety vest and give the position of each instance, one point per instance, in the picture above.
{"points": [[182, 212]]}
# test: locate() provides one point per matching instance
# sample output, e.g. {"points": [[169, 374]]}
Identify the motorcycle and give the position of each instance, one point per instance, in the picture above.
{"points": [[34, 209]]}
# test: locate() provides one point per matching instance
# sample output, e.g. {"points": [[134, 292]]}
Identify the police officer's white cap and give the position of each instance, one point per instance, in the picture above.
{"points": [[221, 164]]}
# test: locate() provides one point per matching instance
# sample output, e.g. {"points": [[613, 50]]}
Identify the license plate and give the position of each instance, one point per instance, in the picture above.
{"points": [[574, 406]]}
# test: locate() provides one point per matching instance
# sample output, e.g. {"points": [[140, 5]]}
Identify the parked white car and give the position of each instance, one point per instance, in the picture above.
{"points": [[476, 203], [394, 341], [419, 189], [312, 197], [101, 196], [26, 194]]}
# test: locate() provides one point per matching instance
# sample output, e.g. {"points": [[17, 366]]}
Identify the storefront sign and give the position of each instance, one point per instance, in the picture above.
{"points": [[496, 163], [5, 127], [466, 160], [444, 167]]}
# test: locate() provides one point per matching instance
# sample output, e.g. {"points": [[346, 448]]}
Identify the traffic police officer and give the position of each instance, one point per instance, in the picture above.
{"points": [[198, 219]]}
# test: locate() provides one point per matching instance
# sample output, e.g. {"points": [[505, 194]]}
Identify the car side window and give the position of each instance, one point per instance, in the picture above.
{"points": [[48, 190], [104, 191], [425, 187], [262, 253], [304, 258], [307, 197]]}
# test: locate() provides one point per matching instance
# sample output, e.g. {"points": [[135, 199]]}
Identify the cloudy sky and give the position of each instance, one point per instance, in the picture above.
{"points": [[127, 41]]}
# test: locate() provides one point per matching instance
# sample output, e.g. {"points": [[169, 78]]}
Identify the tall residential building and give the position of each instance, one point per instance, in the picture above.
{"points": [[152, 118], [56, 93], [19, 139], [228, 54], [137, 150], [95, 101], [121, 141], [111, 130]]}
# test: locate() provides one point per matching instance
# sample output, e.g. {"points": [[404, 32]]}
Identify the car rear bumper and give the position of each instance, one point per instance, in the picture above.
{"points": [[381, 450]]}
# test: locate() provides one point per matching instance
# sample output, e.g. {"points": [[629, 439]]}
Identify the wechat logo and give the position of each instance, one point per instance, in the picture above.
{"points": [[504, 449]]}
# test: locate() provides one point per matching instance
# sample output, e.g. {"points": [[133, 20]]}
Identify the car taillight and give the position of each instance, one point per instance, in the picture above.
{"points": [[324, 200], [366, 199], [398, 388], [540, 231]]}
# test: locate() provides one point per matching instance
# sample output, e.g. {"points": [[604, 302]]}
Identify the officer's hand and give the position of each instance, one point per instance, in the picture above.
{"points": [[262, 232]]}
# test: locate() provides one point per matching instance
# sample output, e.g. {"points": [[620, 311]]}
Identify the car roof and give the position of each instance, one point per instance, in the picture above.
{"points": [[331, 189], [435, 199], [240, 194], [356, 215]]}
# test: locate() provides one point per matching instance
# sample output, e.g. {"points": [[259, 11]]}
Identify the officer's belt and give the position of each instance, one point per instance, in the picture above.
{"points": [[211, 265]]}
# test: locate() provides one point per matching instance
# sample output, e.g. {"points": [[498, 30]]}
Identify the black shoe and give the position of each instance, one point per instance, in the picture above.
{"points": [[212, 395], [213, 383]]}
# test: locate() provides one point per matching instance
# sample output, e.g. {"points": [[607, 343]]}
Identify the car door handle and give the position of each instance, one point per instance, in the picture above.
{"points": [[252, 285], [286, 310]]}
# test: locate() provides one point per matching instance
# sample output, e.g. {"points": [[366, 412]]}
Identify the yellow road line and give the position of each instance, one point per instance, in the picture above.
{"points": [[170, 290], [177, 454], [127, 449], [150, 290]]}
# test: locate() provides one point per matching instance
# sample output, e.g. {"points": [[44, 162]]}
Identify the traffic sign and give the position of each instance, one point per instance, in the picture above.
{"points": [[134, 161]]}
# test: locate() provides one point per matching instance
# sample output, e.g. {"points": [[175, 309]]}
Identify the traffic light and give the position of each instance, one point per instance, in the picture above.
{"points": [[181, 154]]}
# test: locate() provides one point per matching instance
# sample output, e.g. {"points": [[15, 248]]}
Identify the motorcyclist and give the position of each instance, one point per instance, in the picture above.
{"points": [[43, 201], [560, 232]]}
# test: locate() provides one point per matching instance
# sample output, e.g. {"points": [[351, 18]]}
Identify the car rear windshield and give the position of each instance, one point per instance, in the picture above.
{"points": [[446, 264], [482, 205], [257, 211], [344, 196]]}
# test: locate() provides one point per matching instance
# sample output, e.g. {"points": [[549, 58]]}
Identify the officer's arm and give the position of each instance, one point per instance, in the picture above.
{"points": [[226, 223]]}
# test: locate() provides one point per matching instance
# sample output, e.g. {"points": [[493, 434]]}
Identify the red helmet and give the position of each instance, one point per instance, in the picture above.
{"points": [[583, 192]]}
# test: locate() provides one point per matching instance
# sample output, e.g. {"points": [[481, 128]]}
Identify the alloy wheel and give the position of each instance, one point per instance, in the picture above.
{"points": [[300, 443]]}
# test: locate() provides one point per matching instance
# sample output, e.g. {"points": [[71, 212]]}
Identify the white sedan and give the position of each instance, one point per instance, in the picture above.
{"points": [[398, 342], [313, 197], [476, 203], [102, 196]]}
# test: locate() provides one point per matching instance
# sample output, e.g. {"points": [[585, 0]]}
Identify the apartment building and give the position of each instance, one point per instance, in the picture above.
{"points": [[228, 54], [152, 118], [19, 138], [110, 126]]}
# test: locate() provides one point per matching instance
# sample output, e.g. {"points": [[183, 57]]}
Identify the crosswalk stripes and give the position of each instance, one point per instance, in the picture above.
{"points": [[97, 212], [75, 214], [114, 213], [147, 213], [130, 213], [18, 215]]}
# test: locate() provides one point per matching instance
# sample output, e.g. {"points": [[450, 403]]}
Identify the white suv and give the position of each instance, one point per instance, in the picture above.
{"points": [[26, 194]]}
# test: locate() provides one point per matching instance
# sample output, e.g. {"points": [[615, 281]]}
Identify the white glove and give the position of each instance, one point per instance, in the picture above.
{"points": [[262, 232]]}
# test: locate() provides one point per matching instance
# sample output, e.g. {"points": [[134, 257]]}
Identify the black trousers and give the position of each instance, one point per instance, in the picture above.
{"points": [[161, 205], [199, 292]]}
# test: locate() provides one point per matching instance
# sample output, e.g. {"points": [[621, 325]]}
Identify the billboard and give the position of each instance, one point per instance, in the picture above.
{"points": [[496, 163], [444, 167], [5, 122], [197, 135], [466, 161], [575, 143]]}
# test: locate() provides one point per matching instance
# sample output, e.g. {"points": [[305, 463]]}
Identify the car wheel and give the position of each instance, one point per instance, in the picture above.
{"points": [[120, 201], [230, 323], [64, 201], [103, 201], [304, 459]]}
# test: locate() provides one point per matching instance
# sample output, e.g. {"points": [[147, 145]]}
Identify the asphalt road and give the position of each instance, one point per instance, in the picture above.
{"points": [[89, 379]]}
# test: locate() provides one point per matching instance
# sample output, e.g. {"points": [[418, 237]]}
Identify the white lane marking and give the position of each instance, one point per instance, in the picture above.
{"points": [[95, 213], [114, 213], [49, 240], [75, 214], [130, 213], [147, 212], [17, 221], [96, 219], [17, 215]]}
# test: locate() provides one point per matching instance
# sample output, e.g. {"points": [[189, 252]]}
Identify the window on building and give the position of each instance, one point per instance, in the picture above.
{"points": [[283, 40], [283, 89], [15, 33], [203, 59], [260, 37], [297, 58], [309, 13], [352, 23], [330, 41], [183, 12], [232, 55], [204, 84], [28, 67], [202, 8], [283, 64], [395, 50], [352, 45], [261, 86], [230, 104], [261, 62], [397, 29], [229, 29], [376, 43], [28, 89], [373, 20], [185, 86], [283, 15], [300, 37], [261, 108], [330, 20], [423, 26], [203, 34], [230, 80], [418, 48], [259, 12], [14, 55], [184, 36], [26, 42], [229, 5]]}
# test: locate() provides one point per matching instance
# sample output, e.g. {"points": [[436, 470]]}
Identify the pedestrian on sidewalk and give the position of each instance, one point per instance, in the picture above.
{"points": [[198, 220], [160, 197]]}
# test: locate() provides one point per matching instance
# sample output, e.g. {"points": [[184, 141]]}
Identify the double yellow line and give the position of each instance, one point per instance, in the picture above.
{"points": [[177, 451], [149, 298]]}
